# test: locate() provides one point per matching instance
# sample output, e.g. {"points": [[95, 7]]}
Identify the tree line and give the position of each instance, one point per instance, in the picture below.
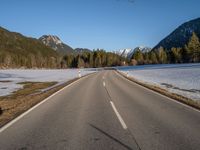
{"points": [[14, 54], [190, 53], [12, 60], [96, 58]]}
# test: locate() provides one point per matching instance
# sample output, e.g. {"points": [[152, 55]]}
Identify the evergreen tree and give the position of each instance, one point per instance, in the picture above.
{"points": [[153, 58], [193, 48], [80, 62], [185, 55], [146, 58], [162, 55], [176, 55], [138, 56], [91, 60]]}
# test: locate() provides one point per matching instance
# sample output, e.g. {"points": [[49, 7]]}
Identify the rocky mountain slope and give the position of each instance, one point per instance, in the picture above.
{"points": [[55, 43]]}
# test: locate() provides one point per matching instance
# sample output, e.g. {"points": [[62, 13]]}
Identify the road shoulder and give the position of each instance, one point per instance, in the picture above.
{"points": [[16, 105], [178, 98]]}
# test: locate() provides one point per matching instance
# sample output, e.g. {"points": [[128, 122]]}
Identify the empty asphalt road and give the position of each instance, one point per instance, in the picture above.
{"points": [[105, 111]]}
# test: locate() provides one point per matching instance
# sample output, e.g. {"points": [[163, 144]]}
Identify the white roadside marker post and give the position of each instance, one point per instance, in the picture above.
{"points": [[79, 74], [127, 74]]}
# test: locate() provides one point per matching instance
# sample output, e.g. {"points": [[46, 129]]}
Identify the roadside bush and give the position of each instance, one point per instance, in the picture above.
{"points": [[1, 111]]}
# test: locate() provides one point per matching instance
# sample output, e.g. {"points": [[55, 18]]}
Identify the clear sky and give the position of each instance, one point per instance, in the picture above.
{"points": [[108, 24]]}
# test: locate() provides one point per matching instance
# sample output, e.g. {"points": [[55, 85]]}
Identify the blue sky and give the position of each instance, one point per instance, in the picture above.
{"points": [[108, 24]]}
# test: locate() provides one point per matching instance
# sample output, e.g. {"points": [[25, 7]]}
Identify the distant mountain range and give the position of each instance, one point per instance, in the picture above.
{"points": [[81, 50], [180, 36], [17, 50], [143, 49], [128, 52], [124, 52]]}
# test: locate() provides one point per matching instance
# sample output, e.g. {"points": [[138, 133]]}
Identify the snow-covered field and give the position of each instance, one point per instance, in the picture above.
{"points": [[10, 78], [182, 79]]}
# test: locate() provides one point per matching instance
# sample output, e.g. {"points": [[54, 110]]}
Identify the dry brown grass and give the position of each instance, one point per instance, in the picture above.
{"points": [[174, 96], [23, 99], [5, 81]]}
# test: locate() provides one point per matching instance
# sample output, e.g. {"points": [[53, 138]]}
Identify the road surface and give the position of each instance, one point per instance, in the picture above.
{"points": [[105, 111]]}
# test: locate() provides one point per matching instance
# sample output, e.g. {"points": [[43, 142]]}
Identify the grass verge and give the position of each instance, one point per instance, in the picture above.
{"points": [[18, 102], [182, 99], [4, 81]]}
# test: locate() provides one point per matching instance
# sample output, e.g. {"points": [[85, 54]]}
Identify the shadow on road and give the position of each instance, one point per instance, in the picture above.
{"points": [[111, 137]]}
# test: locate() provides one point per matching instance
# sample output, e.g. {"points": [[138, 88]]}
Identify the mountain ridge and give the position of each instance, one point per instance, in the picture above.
{"points": [[181, 35], [17, 50]]}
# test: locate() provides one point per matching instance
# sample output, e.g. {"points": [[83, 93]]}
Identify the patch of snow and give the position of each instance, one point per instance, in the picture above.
{"points": [[55, 39], [10, 78], [183, 79]]}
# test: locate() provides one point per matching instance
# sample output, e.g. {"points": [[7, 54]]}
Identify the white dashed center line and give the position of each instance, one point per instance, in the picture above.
{"points": [[104, 84], [118, 116]]}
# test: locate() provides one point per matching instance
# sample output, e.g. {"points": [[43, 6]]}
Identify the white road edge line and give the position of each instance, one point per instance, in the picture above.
{"points": [[118, 116], [171, 99], [34, 107]]}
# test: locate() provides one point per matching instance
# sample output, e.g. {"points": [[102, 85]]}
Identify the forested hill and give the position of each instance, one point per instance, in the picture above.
{"points": [[17, 51], [182, 46], [180, 36]]}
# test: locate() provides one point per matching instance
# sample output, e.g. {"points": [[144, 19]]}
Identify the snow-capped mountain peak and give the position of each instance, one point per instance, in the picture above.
{"points": [[124, 52], [128, 52], [48, 39], [54, 42]]}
